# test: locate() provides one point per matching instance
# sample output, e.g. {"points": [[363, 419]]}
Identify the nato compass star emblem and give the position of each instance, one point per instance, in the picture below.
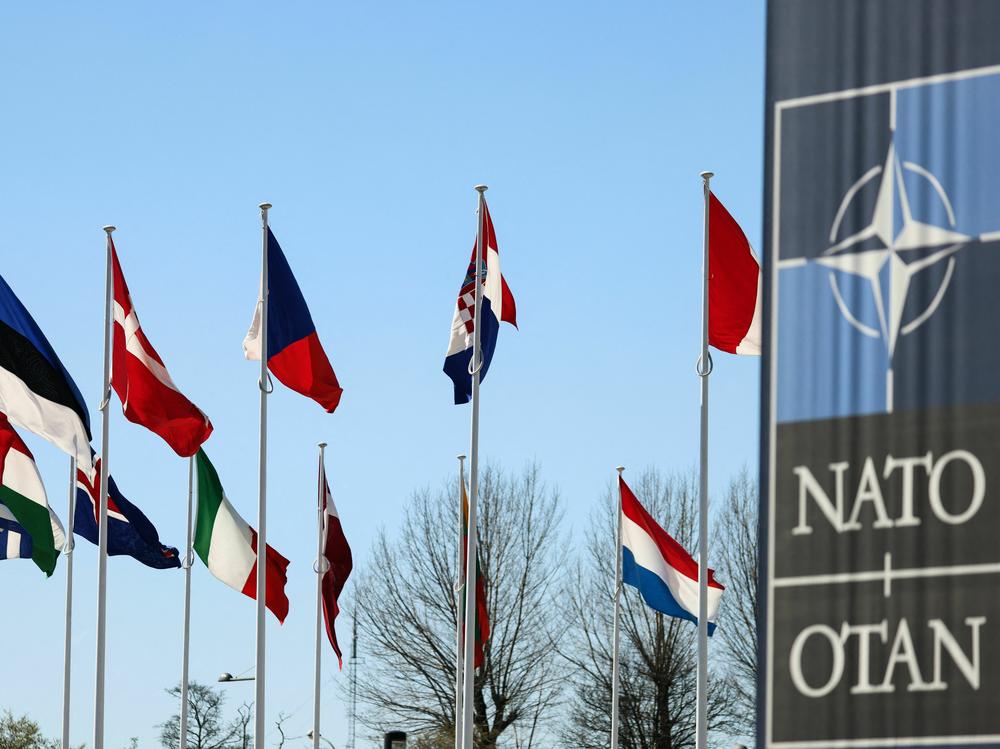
{"points": [[891, 250]]}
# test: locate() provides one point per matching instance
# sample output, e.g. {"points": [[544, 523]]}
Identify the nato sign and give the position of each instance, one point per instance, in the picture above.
{"points": [[880, 554]]}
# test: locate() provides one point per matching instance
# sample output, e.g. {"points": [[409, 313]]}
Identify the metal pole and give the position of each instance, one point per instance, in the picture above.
{"points": [[354, 680], [459, 591], [260, 729], [102, 546], [322, 564], [186, 639], [704, 370], [472, 550], [615, 693], [68, 637]]}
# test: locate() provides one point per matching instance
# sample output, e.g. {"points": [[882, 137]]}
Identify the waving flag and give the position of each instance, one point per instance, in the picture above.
{"points": [[36, 391], [294, 353], [664, 573], [337, 553], [129, 531], [148, 394], [734, 285], [227, 544], [497, 306], [15, 541], [23, 497], [482, 613]]}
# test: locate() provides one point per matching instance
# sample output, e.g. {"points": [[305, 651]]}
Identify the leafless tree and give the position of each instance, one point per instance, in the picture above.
{"points": [[736, 543], [207, 724], [406, 610], [658, 653]]}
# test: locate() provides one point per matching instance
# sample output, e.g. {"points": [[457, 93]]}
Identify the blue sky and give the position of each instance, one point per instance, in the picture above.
{"points": [[366, 125]]}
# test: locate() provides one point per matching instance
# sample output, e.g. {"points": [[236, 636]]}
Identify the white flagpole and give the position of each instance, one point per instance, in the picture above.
{"points": [[68, 637], [472, 550], [704, 370], [186, 639], [260, 728], [102, 546], [459, 621], [322, 564], [615, 674]]}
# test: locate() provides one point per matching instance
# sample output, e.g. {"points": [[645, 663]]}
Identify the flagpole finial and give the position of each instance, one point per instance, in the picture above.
{"points": [[265, 206], [321, 445], [481, 189], [460, 456], [706, 175], [108, 229], [620, 469]]}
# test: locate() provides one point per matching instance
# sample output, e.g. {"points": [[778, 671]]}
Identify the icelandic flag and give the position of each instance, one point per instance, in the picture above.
{"points": [[294, 353], [498, 305], [15, 541], [129, 531], [665, 574]]}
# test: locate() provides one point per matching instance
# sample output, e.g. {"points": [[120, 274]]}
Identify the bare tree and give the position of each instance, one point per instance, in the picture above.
{"points": [[736, 542], [207, 725], [658, 653], [405, 603]]}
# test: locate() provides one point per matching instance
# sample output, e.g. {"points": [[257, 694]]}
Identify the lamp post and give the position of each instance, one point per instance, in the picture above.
{"points": [[227, 677]]}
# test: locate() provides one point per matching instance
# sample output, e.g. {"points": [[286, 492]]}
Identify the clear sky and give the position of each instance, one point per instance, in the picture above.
{"points": [[366, 125]]}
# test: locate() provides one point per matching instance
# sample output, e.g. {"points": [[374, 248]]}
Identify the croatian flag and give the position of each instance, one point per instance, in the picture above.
{"points": [[294, 353], [734, 285], [664, 573], [497, 306]]}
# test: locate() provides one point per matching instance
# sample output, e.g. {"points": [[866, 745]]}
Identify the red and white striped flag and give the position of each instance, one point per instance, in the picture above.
{"points": [[337, 553], [734, 285], [149, 396]]}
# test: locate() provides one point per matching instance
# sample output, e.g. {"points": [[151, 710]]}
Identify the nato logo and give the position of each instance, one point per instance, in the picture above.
{"points": [[886, 231]]}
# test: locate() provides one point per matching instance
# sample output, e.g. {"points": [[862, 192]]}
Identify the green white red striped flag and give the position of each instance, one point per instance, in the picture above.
{"points": [[228, 545]]}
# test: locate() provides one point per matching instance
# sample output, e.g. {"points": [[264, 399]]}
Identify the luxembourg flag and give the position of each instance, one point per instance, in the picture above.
{"points": [[498, 305], [665, 574], [294, 354], [734, 285]]}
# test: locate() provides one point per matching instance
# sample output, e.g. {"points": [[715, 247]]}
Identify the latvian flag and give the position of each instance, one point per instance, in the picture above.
{"points": [[294, 354], [29, 526], [662, 570], [149, 396], [734, 285], [227, 544], [36, 391], [130, 533], [497, 306], [482, 626], [339, 564]]}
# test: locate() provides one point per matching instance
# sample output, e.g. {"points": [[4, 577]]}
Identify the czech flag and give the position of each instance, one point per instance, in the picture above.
{"points": [[497, 305], [734, 285], [294, 353], [665, 574]]}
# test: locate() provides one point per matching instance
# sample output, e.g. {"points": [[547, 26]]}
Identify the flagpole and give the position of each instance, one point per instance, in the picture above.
{"points": [[322, 564], [704, 370], [102, 546], [68, 637], [472, 550], [615, 671], [186, 639], [459, 621], [259, 735]]}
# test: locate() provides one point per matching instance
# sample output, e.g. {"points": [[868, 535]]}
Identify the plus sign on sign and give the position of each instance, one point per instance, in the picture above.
{"points": [[881, 417]]}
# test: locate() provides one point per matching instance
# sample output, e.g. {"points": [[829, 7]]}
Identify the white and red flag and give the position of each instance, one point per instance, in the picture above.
{"points": [[149, 396], [734, 285], [337, 553]]}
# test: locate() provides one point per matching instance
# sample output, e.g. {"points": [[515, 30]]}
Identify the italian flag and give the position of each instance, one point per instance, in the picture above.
{"points": [[228, 545], [22, 492]]}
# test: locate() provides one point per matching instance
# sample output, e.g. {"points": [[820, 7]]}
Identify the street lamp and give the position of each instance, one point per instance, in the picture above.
{"points": [[225, 676], [324, 738]]}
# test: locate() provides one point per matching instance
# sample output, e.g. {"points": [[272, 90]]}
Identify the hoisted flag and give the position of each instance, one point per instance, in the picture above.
{"points": [[734, 285], [482, 612], [149, 396], [337, 553], [227, 544], [497, 306], [663, 571], [23, 496], [294, 352], [36, 391], [15, 541]]}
